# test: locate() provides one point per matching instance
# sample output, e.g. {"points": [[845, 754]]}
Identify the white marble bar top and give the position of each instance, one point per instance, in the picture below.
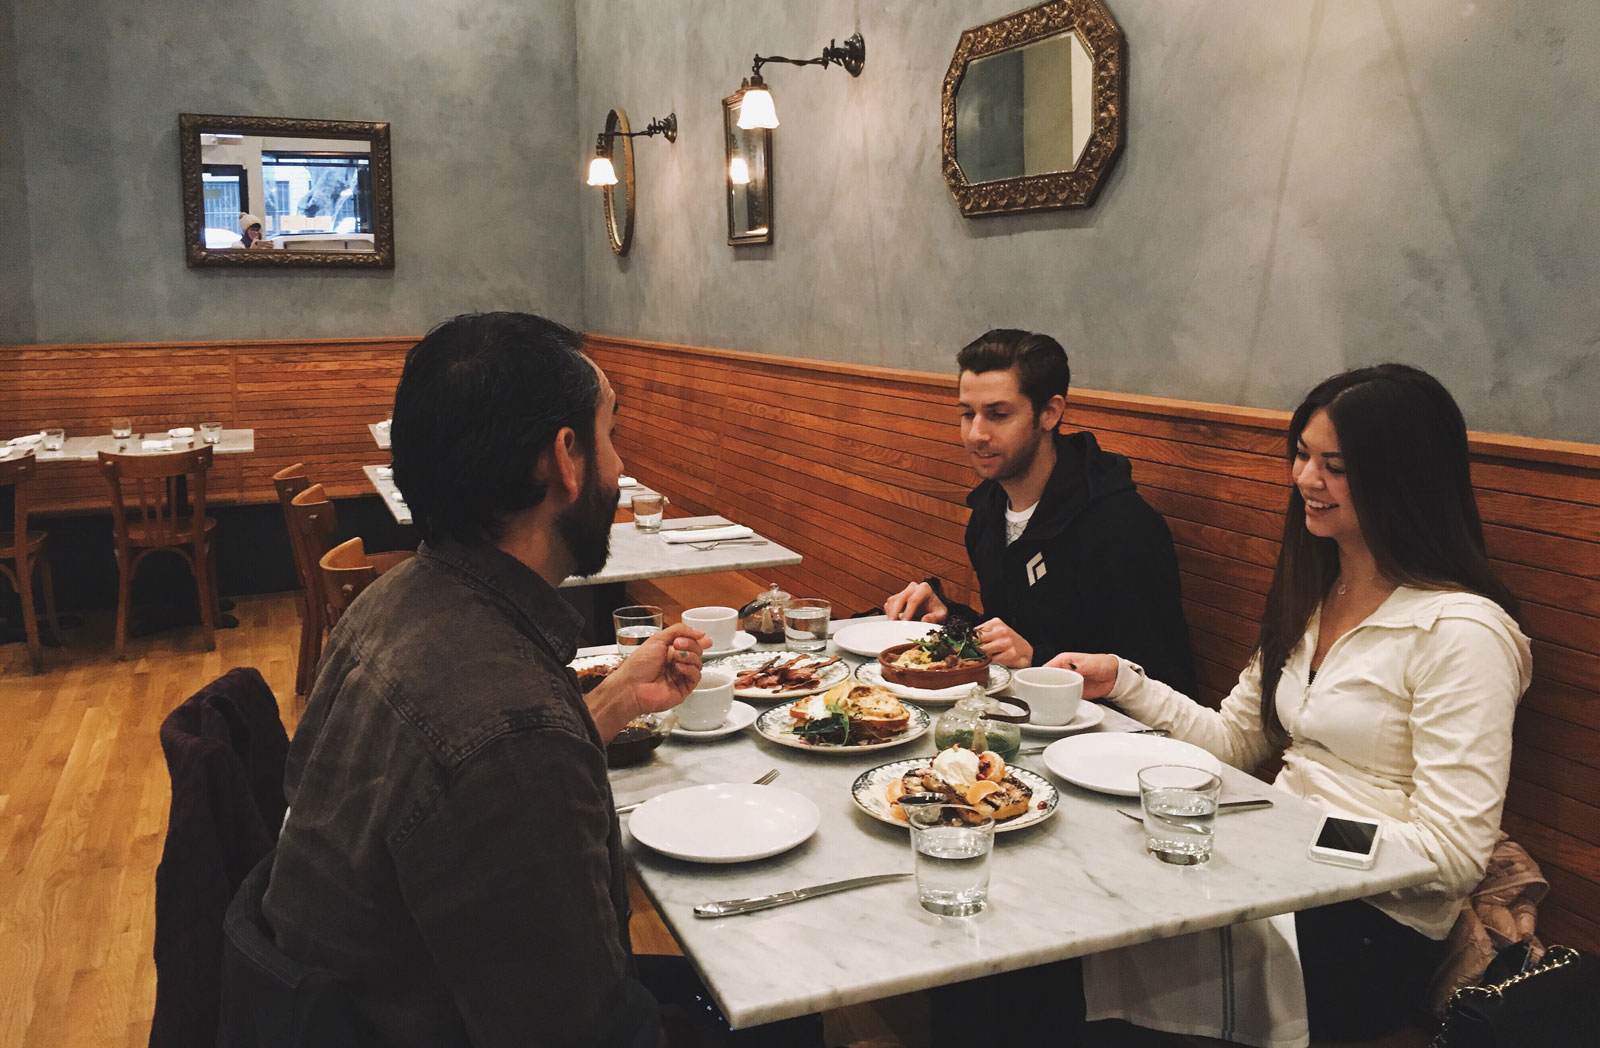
{"points": [[380, 434], [379, 478], [87, 449], [637, 554], [1076, 884]]}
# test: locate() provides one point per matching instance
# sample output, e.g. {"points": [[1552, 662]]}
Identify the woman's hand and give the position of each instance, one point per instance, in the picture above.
{"points": [[916, 601], [1099, 672], [1004, 645]]}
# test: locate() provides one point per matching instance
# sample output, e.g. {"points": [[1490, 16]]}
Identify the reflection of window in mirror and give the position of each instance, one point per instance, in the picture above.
{"points": [[1026, 111], [314, 194]]}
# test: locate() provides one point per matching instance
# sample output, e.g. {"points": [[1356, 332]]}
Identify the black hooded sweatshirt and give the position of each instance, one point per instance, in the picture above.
{"points": [[1093, 572]]}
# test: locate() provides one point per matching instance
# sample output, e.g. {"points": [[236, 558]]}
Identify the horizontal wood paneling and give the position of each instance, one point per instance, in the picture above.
{"points": [[859, 468], [307, 401]]}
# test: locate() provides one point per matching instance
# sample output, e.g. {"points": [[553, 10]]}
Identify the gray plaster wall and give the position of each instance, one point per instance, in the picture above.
{"points": [[1308, 186], [480, 94]]}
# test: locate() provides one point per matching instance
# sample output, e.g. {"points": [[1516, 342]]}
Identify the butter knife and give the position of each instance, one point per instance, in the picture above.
{"points": [[1223, 807], [734, 907]]}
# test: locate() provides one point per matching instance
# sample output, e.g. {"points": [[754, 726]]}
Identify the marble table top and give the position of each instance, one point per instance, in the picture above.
{"points": [[381, 480], [87, 449], [1076, 884], [380, 434], [637, 554]]}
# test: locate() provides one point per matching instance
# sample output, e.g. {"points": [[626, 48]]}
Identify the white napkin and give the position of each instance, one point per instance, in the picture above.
{"points": [[732, 531], [386, 423], [156, 445], [26, 440], [627, 482], [384, 472], [181, 431]]}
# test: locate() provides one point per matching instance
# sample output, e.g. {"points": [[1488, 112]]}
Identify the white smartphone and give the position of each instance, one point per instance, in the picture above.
{"points": [[1346, 842]]}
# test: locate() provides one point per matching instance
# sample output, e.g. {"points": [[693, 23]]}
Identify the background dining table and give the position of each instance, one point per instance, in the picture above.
{"points": [[87, 449], [1079, 882]]}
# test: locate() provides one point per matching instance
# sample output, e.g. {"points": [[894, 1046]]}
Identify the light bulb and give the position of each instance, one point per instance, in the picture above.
{"points": [[601, 173], [756, 110], [738, 171]]}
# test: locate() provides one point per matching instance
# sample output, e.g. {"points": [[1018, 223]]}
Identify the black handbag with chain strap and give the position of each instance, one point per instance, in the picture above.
{"points": [[1549, 1004]]}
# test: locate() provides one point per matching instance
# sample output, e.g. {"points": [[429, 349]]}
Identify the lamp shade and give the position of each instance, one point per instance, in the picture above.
{"points": [[601, 173], [738, 171], [756, 111]]}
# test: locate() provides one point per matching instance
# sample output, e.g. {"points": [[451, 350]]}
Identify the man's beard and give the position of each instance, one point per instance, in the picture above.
{"points": [[1019, 464], [585, 526]]}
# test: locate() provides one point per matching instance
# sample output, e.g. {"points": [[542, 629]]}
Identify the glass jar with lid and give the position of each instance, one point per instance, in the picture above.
{"points": [[763, 617], [981, 722]]}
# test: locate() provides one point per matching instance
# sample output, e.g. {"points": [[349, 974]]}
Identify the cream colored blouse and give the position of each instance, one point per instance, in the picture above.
{"points": [[1408, 721]]}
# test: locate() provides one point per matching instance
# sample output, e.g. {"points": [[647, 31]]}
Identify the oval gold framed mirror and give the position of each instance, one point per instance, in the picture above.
{"points": [[619, 221], [1033, 109]]}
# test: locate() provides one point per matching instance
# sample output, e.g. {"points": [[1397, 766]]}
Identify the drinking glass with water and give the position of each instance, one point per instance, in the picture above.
{"points": [[634, 624], [951, 844], [1180, 812], [805, 624]]}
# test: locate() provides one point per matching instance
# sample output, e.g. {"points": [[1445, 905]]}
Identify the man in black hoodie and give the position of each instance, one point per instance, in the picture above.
{"points": [[1065, 549]]}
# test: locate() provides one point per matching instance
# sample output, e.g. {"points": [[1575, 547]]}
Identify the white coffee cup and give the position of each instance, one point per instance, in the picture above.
{"points": [[708, 704], [720, 624], [1052, 694]]}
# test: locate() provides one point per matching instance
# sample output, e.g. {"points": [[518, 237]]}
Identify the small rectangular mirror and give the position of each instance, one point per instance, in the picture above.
{"points": [[272, 191], [749, 178]]}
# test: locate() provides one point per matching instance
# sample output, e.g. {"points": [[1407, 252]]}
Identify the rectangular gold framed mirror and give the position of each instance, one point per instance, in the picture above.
{"points": [[749, 177], [281, 192]]}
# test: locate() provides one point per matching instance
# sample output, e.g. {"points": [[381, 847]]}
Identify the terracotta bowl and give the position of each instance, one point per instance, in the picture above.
{"points": [[973, 673]]}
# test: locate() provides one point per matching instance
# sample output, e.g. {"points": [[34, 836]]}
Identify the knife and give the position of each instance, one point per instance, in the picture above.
{"points": [[1223, 807], [734, 907], [701, 527]]}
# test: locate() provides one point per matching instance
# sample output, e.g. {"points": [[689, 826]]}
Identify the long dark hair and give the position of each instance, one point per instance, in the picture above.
{"points": [[1405, 455]]}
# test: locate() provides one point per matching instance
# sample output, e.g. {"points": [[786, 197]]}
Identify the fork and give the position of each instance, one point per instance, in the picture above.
{"points": [[704, 546], [623, 809]]}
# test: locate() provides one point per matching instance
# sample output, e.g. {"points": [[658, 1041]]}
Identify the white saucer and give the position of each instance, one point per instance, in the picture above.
{"points": [[742, 641], [740, 716], [1089, 714]]}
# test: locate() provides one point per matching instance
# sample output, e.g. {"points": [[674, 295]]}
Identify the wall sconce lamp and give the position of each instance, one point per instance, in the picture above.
{"points": [[756, 110], [601, 173]]}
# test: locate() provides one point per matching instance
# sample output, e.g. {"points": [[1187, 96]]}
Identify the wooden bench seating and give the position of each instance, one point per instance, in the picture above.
{"points": [[859, 469]]}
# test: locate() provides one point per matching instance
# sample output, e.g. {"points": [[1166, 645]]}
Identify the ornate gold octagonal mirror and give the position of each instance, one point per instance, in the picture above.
{"points": [[1033, 109]]}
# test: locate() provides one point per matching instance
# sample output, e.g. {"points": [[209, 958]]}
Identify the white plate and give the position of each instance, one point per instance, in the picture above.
{"points": [[837, 673], [1109, 762], [775, 724], [869, 638], [872, 673], [1089, 714], [742, 641], [726, 822], [740, 716], [869, 793]]}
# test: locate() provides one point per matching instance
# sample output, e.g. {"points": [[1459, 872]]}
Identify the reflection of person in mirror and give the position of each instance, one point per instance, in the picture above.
{"points": [[250, 227]]}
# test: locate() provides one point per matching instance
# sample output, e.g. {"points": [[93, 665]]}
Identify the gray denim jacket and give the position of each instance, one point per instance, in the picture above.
{"points": [[451, 849]]}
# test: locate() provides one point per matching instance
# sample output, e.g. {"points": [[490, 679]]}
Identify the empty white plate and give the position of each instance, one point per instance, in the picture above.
{"points": [[869, 638], [1088, 715], [1109, 762], [726, 822]]}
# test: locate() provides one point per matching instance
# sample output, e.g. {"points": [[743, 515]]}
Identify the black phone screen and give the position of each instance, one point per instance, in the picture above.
{"points": [[1347, 835]]}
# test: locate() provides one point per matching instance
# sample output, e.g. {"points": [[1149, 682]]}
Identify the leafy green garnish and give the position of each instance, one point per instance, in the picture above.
{"points": [[834, 728], [956, 638]]}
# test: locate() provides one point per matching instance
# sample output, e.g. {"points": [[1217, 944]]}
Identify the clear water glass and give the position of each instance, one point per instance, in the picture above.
{"points": [[805, 624], [54, 439], [647, 511], [122, 428], [211, 432], [635, 624], [1180, 812], [951, 845]]}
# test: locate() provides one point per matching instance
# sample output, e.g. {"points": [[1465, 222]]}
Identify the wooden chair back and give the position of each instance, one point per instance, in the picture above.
{"points": [[346, 572], [289, 482], [15, 473], [314, 522], [158, 518]]}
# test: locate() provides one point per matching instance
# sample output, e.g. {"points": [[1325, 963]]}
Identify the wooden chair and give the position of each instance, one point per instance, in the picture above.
{"points": [[291, 481], [156, 522], [348, 569], [21, 551], [313, 523]]}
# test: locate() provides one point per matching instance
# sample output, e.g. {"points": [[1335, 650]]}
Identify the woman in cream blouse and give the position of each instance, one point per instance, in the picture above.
{"points": [[1387, 671]]}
